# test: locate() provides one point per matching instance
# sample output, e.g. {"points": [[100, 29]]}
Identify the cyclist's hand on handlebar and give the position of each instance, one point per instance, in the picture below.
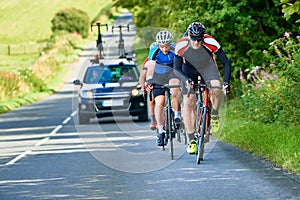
{"points": [[149, 85], [189, 83], [226, 86]]}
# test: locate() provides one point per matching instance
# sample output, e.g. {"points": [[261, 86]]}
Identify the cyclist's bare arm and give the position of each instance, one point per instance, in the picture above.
{"points": [[142, 78], [150, 65]]}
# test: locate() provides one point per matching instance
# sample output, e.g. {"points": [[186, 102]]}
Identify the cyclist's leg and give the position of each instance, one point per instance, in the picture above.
{"points": [[175, 92], [159, 115], [189, 121], [215, 95], [152, 114], [160, 112], [159, 96], [176, 101], [212, 76], [189, 114], [189, 103]]}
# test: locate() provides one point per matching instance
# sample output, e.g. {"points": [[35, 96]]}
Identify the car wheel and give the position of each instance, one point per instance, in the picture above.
{"points": [[83, 119]]}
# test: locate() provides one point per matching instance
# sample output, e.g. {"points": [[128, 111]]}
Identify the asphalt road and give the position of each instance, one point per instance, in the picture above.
{"points": [[45, 154]]}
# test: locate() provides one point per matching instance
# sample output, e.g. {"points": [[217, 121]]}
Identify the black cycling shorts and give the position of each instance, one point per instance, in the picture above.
{"points": [[162, 79], [207, 74]]}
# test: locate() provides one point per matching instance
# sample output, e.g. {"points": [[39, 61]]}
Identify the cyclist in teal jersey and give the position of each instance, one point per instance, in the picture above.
{"points": [[160, 72]]}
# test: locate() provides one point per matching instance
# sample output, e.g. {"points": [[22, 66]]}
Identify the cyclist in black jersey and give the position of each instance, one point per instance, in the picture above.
{"points": [[194, 56]]}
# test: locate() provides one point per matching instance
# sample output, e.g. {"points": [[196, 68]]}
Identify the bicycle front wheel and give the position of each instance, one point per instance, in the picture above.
{"points": [[169, 130], [200, 138]]}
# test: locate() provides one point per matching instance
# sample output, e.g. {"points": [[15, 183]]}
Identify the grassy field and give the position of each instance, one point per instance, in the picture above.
{"points": [[18, 26], [28, 20]]}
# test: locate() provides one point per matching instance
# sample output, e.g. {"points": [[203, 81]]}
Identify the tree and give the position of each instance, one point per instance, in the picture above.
{"points": [[244, 28], [71, 20], [289, 8]]}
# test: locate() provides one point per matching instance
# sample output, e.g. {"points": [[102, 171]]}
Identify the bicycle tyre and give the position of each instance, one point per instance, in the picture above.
{"points": [[200, 139], [163, 136], [169, 131]]}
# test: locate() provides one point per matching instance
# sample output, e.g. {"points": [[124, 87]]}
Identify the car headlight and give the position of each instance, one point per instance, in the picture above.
{"points": [[135, 92], [87, 94]]}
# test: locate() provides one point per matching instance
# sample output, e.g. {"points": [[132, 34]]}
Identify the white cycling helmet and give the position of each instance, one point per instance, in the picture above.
{"points": [[163, 37]]}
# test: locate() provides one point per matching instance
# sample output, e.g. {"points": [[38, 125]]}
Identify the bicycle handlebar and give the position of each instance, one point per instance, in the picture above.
{"points": [[120, 27], [166, 86], [204, 86], [98, 24]]}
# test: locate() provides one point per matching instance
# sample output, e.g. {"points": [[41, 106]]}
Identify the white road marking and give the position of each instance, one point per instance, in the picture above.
{"points": [[18, 157], [42, 141]]}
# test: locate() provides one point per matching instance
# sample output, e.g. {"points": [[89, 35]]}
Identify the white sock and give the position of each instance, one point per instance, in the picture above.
{"points": [[160, 128], [177, 114]]}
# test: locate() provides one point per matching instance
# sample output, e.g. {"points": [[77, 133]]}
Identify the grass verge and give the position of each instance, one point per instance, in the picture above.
{"points": [[54, 85], [276, 143]]}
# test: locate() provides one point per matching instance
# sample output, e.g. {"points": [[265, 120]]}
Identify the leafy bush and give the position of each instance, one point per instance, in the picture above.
{"points": [[12, 85], [71, 20], [270, 92], [36, 84]]}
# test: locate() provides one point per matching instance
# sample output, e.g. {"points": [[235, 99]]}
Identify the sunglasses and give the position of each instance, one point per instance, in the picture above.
{"points": [[164, 45], [198, 40]]}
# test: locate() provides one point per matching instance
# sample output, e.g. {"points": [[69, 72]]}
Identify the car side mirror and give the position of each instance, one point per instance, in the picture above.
{"points": [[77, 82]]}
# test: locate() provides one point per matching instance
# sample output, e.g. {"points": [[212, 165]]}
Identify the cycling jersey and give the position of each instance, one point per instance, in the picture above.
{"points": [[164, 61], [163, 71], [190, 62]]}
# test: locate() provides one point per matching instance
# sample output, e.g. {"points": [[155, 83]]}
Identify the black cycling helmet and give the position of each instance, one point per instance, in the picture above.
{"points": [[196, 31]]}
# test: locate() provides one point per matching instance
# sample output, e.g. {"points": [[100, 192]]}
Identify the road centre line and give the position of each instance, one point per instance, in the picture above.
{"points": [[42, 141], [18, 157], [66, 120], [54, 131]]}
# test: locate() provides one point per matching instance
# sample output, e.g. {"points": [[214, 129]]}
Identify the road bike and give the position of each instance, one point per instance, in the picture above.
{"points": [[99, 42], [203, 117], [171, 129], [121, 45]]}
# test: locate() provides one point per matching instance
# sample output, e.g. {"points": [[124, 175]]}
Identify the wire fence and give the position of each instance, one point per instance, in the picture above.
{"points": [[21, 49]]}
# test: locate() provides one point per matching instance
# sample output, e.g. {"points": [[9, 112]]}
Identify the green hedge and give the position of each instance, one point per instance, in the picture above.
{"points": [[71, 20]]}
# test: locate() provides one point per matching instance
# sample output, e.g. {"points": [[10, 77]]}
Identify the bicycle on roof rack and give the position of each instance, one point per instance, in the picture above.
{"points": [[121, 45], [99, 42]]}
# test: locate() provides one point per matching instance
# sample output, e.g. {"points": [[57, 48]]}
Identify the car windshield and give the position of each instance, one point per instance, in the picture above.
{"points": [[111, 74]]}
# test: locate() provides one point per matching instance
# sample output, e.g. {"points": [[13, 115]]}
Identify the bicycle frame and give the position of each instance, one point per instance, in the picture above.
{"points": [[169, 120], [170, 124], [202, 119]]}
